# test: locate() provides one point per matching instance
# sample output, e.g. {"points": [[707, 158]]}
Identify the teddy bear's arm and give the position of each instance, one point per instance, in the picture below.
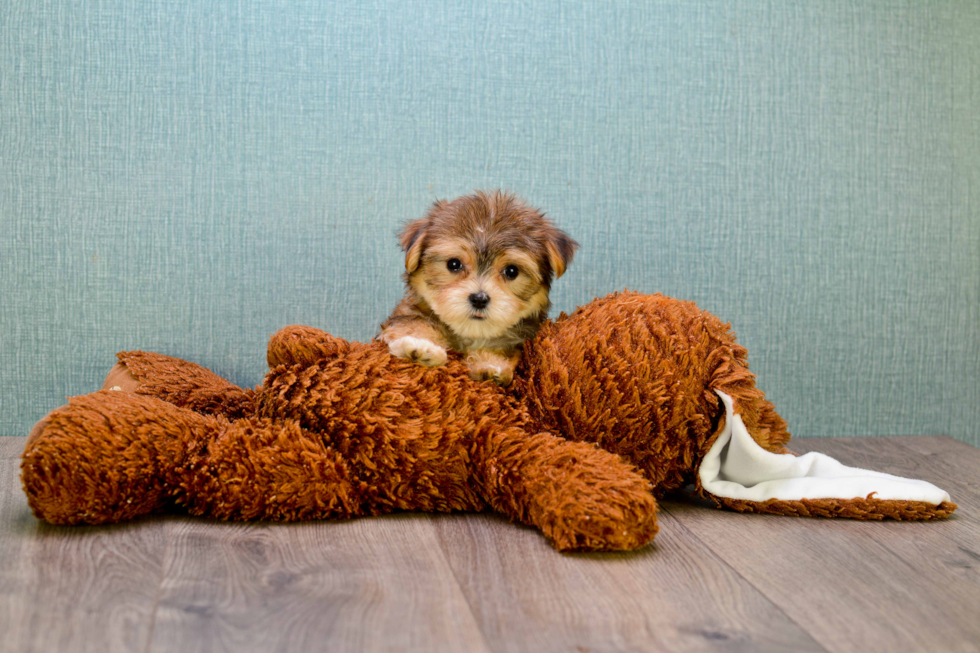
{"points": [[180, 383], [580, 496], [302, 345]]}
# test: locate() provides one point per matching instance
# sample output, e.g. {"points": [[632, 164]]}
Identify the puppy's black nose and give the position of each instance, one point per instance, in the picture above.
{"points": [[479, 300]]}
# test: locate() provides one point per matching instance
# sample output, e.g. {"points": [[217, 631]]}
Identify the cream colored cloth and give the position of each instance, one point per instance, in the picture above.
{"points": [[736, 467]]}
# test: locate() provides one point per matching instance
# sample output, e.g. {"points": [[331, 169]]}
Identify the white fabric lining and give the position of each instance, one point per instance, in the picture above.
{"points": [[736, 467]]}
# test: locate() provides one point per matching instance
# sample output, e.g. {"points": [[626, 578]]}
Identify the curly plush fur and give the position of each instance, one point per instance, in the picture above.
{"points": [[611, 406]]}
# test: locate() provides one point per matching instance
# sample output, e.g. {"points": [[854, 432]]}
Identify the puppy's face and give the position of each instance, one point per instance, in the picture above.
{"points": [[484, 262]]}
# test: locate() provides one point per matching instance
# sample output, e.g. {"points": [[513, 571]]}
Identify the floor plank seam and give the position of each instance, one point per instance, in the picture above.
{"points": [[776, 605], [462, 592], [159, 594]]}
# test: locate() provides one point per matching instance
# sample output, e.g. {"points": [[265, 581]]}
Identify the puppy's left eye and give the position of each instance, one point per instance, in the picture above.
{"points": [[511, 272]]}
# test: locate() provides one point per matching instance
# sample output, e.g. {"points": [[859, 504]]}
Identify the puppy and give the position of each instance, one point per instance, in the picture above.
{"points": [[477, 271]]}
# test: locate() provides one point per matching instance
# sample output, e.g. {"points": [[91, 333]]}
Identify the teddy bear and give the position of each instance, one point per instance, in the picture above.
{"points": [[628, 399]]}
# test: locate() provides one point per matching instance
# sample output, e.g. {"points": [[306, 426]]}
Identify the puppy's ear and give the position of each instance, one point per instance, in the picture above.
{"points": [[411, 238], [560, 249]]}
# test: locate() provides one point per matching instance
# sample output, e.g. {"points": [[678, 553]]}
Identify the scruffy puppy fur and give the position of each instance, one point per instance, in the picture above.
{"points": [[477, 271]]}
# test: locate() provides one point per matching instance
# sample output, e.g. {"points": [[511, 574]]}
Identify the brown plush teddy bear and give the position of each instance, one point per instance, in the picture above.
{"points": [[630, 397]]}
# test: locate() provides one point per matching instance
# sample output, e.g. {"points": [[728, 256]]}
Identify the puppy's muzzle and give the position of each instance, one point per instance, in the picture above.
{"points": [[479, 300]]}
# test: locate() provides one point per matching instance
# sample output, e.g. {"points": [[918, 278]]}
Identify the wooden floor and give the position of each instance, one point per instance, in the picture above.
{"points": [[713, 581]]}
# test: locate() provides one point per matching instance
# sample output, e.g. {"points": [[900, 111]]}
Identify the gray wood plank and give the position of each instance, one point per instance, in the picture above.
{"points": [[674, 595], [377, 584], [713, 581], [72, 588], [860, 586], [950, 552], [946, 555]]}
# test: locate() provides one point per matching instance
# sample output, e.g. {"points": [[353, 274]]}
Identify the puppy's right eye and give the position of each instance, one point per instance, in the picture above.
{"points": [[454, 265]]}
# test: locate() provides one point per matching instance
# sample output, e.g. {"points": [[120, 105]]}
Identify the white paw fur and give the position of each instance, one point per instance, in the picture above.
{"points": [[489, 370], [418, 350]]}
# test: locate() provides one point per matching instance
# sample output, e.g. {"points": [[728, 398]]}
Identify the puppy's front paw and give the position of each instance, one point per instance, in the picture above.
{"points": [[490, 366], [493, 373], [418, 350]]}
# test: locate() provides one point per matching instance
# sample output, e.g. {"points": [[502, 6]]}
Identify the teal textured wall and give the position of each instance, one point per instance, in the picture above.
{"points": [[189, 177]]}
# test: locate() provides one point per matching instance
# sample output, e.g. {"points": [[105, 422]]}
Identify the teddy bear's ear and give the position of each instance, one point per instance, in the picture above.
{"points": [[560, 249], [411, 240]]}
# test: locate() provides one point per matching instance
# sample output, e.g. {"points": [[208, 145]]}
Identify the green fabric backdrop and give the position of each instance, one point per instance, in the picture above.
{"points": [[188, 178]]}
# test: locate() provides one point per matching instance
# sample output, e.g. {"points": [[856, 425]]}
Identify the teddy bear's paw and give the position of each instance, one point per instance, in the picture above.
{"points": [[627, 522], [106, 457], [303, 345], [418, 350]]}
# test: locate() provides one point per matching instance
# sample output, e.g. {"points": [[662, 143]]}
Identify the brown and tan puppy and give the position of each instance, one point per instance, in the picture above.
{"points": [[478, 271]]}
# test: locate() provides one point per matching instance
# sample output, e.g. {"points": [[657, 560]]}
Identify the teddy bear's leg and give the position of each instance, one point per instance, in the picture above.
{"points": [[111, 456], [260, 469], [179, 382], [731, 375], [301, 345], [107, 456], [580, 496]]}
